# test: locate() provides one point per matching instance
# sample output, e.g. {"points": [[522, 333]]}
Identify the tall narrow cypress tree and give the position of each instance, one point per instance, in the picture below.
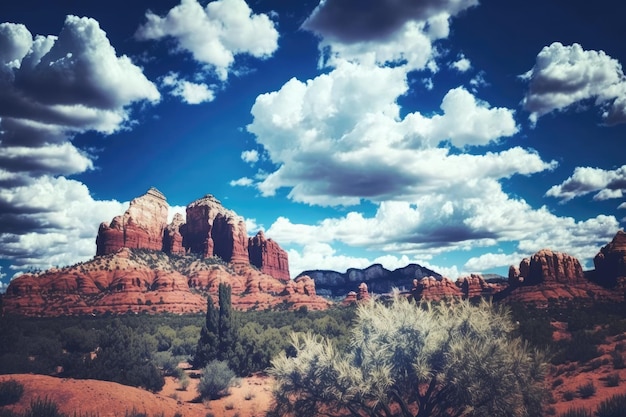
{"points": [[226, 325], [208, 344]]}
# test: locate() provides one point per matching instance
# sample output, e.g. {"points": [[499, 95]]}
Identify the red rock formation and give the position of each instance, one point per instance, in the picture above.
{"points": [[553, 277], [476, 286], [350, 298], [172, 239], [213, 230], [363, 294], [610, 262], [270, 258], [430, 288], [151, 282], [141, 226], [547, 266]]}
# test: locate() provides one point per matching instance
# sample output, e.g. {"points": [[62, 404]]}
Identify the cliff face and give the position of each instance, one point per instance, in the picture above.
{"points": [[209, 230], [553, 276], [610, 262], [270, 258], [213, 230], [141, 226]]}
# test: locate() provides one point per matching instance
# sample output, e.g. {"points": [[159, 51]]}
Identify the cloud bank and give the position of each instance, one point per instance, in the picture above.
{"points": [[53, 88]]}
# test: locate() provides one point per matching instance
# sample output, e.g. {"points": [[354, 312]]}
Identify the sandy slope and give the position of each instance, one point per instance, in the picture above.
{"points": [[109, 399]]}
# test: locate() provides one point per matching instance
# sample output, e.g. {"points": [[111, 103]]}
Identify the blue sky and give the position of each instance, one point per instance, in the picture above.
{"points": [[462, 135]]}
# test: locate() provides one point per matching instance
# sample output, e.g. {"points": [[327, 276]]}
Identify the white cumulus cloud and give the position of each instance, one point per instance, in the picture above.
{"points": [[606, 184], [215, 34], [567, 74]]}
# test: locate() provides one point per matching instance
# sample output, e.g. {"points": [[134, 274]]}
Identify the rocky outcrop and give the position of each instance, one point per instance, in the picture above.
{"points": [[378, 279], [152, 282], [610, 262], [172, 239], [435, 289], [552, 277], [270, 258], [475, 285], [547, 266], [142, 225], [211, 230]]}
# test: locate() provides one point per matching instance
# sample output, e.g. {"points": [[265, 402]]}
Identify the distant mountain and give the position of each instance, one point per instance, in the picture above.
{"points": [[379, 280]]}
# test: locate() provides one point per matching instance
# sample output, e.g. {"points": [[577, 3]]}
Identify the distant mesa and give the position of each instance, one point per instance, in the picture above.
{"points": [[209, 230], [379, 280]]}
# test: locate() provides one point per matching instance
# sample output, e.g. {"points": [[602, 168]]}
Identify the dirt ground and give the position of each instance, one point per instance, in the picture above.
{"points": [[251, 398]]}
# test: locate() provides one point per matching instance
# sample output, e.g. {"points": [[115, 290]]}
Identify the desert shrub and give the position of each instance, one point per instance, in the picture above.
{"points": [[612, 380], [10, 392], [216, 378], [582, 347], [43, 408], [586, 390], [614, 406], [557, 382], [183, 382], [569, 395], [577, 412], [466, 355]]}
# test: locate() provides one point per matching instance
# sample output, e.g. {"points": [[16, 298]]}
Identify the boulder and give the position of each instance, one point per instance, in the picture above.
{"points": [[268, 256]]}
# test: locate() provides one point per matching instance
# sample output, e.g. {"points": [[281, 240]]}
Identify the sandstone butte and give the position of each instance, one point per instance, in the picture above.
{"points": [[143, 264]]}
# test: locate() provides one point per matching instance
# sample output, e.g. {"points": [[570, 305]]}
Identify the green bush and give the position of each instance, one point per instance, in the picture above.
{"points": [[569, 395], [10, 392], [216, 378], [43, 408], [586, 390], [612, 380], [468, 356], [614, 406]]}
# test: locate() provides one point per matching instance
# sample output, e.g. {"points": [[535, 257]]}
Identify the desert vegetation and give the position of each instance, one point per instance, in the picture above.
{"points": [[405, 359], [334, 353]]}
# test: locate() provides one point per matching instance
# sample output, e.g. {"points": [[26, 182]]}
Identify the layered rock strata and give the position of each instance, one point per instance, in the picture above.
{"points": [[142, 225], [152, 282], [209, 230], [268, 256], [552, 277]]}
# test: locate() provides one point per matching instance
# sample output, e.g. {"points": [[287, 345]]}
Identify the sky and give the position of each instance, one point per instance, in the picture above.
{"points": [[462, 135]]}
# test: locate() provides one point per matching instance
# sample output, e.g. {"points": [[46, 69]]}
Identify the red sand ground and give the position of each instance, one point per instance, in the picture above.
{"points": [[108, 399]]}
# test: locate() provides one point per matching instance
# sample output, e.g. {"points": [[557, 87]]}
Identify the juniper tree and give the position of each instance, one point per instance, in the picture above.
{"points": [[218, 337], [427, 360], [207, 348]]}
